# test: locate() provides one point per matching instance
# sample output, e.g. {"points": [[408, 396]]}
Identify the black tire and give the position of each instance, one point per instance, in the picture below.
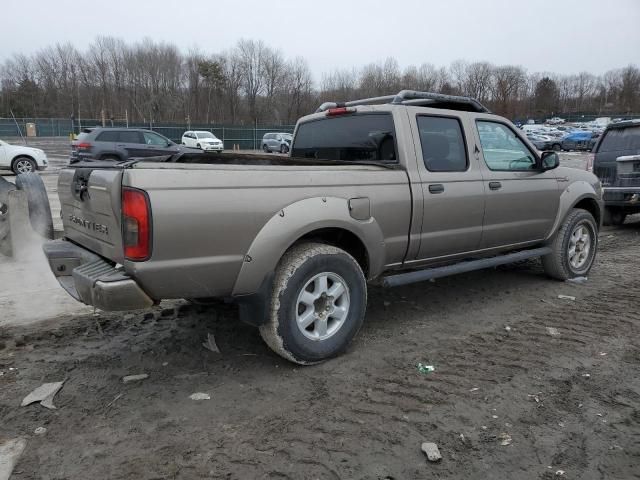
{"points": [[5, 241], [38, 201], [111, 158], [265, 149], [198, 146], [284, 149], [556, 147], [299, 266], [613, 216], [23, 165], [558, 263]]}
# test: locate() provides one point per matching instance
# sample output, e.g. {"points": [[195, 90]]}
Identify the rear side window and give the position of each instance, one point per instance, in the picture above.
{"points": [[130, 137], [620, 139], [443, 146], [354, 137], [108, 136]]}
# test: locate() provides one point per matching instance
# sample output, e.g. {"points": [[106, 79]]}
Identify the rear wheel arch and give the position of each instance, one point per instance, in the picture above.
{"points": [[331, 225]]}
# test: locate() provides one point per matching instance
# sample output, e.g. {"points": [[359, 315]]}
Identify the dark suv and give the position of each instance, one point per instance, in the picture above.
{"points": [[616, 162], [119, 144]]}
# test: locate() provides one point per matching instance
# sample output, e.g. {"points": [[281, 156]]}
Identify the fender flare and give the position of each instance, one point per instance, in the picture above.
{"points": [[569, 198], [297, 220]]}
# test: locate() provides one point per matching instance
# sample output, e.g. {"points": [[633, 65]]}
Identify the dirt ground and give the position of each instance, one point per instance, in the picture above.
{"points": [[569, 403], [507, 400]]}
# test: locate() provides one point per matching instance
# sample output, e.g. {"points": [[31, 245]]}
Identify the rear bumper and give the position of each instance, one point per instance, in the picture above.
{"points": [[92, 280]]}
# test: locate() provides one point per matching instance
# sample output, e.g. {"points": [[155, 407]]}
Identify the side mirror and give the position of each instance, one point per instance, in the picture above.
{"points": [[169, 143], [549, 161]]}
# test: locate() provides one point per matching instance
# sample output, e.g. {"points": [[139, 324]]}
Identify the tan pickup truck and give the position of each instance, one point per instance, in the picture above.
{"points": [[396, 189]]}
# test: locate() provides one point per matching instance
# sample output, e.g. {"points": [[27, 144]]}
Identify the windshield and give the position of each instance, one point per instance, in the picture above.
{"points": [[206, 135]]}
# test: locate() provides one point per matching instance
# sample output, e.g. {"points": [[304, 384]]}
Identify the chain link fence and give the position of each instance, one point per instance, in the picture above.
{"points": [[233, 136]]}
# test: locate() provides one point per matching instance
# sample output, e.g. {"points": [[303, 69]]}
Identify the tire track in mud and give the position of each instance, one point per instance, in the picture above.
{"points": [[485, 361]]}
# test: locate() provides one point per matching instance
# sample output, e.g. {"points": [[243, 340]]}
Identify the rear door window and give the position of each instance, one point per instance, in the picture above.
{"points": [[108, 136], [354, 137], [443, 146], [620, 139], [130, 137]]}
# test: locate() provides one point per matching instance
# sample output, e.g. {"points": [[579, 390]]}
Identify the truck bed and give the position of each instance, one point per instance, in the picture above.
{"points": [[207, 211]]}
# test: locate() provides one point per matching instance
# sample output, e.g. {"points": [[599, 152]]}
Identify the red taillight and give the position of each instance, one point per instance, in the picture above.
{"points": [[83, 146], [332, 112], [136, 224]]}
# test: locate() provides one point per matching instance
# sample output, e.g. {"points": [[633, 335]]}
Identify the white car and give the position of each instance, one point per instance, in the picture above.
{"points": [[203, 140], [22, 159]]}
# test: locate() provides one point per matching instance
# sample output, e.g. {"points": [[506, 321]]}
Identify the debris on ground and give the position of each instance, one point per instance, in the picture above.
{"points": [[507, 328], [535, 396], [567, 297], [40, 431], [474, 389], [134, 378], [586, 375], [505, 439], [432, 452], [577, 280], [10, 452], [602, 354], [210, 344], [559, 472], [425, 368], [200, 396], [553, 331], [43, 394]]}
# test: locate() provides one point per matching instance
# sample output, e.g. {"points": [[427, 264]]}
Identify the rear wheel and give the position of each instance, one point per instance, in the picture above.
{"points": [[110, 158], [24, 165], [613, 216], [556, 147], [317, 305], [265, 149], [284, 149], [573, 247]]}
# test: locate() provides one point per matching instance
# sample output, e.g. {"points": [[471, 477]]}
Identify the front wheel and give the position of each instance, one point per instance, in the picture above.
{"points": [[317, 304], [24, 165], [556, 147], [573, 247], [284, 149]]}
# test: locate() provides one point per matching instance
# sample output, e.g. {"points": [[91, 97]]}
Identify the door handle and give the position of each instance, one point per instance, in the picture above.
{"points": [[495, 185], [436, 188]]}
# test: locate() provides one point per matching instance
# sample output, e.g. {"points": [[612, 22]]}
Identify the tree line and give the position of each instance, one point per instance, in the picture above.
{"points": [[254, 83]]}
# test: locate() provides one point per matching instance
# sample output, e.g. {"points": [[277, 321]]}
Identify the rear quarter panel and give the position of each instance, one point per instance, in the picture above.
{"points": [[207, 218]]}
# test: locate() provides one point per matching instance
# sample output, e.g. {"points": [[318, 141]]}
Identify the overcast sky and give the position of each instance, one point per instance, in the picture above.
{"points": [[564, 36]]}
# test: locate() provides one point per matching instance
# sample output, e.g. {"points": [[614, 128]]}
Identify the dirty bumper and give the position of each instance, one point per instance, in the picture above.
{"points": [[90, 279]]}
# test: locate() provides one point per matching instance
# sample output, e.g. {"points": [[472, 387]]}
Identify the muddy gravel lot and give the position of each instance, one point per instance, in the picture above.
{"points": [[509, 398], [526, 384]]}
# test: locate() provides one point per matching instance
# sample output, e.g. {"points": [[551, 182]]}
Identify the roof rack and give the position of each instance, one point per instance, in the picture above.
{"points": [[412, 97]]}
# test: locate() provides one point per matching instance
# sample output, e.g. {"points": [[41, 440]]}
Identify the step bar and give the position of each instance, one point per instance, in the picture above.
{"points": [[462, 267]]}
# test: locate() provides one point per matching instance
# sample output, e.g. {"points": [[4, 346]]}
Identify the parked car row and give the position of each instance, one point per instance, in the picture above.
{"points": [[118, 144]]}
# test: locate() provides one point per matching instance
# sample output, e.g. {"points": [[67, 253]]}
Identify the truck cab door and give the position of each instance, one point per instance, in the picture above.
{"points": [[521, 201], [452, 187]]}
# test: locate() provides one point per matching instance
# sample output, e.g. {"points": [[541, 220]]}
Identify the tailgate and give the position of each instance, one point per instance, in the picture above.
{"points": [[91, 205]]}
